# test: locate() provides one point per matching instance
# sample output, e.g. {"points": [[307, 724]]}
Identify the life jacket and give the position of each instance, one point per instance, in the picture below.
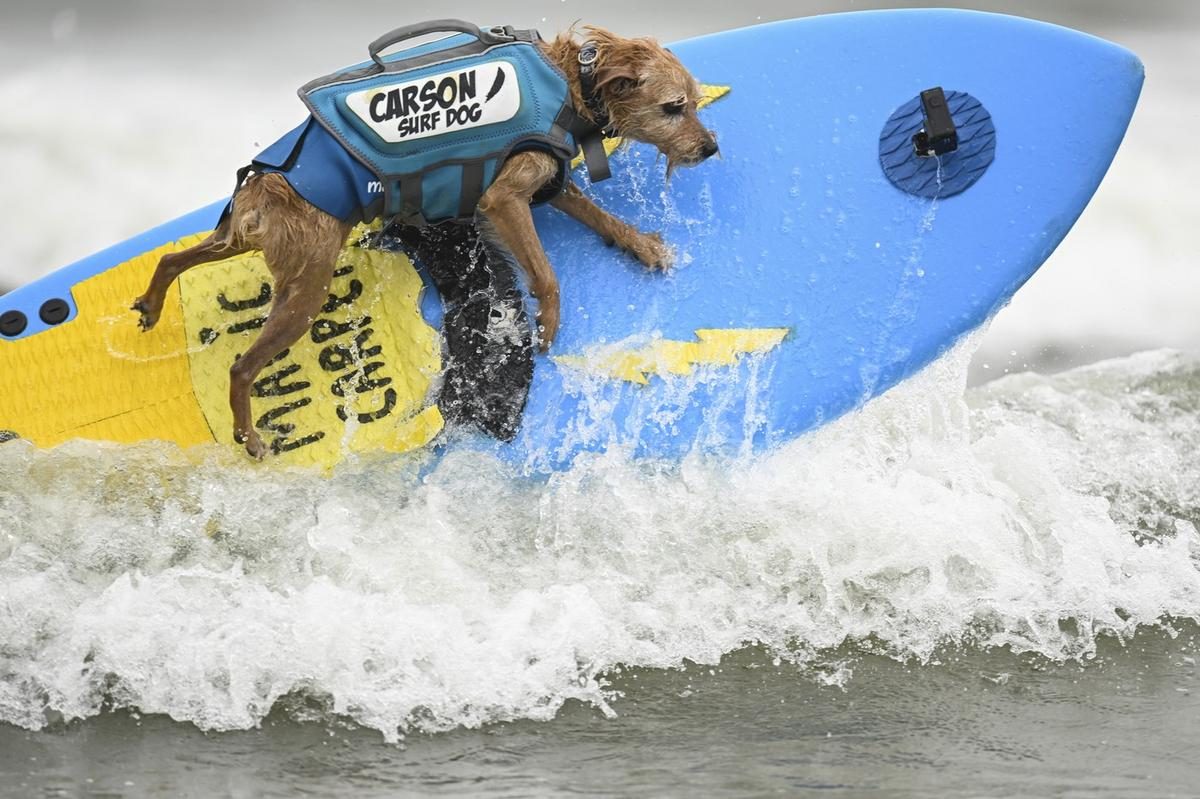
{"points": [[421, 134]]}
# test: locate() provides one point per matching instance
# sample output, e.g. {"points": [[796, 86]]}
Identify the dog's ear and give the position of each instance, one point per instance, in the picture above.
{"points": [[618, 69], [618, 78]]}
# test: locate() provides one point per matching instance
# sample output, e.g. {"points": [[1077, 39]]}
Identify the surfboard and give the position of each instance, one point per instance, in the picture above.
{"points": [[820, 262]]}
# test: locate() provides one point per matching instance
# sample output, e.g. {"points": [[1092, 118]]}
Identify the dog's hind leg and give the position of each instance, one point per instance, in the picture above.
{"points": [[296, 304], [218, 245], [301, 259]]}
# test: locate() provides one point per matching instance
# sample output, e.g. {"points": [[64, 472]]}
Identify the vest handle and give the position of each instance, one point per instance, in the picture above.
{"points": [[488, 37]]}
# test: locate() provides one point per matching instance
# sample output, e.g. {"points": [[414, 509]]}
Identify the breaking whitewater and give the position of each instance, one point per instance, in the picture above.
{"points": [[1037, 513]]}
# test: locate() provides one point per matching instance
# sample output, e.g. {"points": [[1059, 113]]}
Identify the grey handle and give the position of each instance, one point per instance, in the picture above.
{"points": [[433, 26]]}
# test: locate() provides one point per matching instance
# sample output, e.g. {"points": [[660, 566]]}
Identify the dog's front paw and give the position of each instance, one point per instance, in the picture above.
{"points": [[651, 250], [147, 315]]}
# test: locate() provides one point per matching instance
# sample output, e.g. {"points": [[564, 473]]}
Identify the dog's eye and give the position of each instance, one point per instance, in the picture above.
{"points": [[675, 108]]}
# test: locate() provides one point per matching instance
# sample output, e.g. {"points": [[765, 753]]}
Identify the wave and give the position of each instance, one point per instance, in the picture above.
{"points": [[1036, 513]]}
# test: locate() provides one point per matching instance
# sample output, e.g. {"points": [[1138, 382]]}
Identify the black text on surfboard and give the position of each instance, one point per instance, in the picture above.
{"points": [[354, 364]]}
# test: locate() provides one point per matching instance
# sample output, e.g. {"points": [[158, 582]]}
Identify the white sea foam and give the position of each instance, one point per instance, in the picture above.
{"points": [[1036, 512]]}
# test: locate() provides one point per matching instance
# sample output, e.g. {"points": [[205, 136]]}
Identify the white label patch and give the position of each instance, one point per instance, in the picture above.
{"points": [[459, 100]]}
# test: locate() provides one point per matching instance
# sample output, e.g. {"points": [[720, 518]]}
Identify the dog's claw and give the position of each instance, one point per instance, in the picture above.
{"points": [[256, 448]]}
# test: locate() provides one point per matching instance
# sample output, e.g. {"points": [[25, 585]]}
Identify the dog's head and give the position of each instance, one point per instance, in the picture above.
{"points": [[651, 97]]}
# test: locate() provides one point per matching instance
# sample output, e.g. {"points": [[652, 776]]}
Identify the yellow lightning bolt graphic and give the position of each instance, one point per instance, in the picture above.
{"points": [[709, 95], [665, 356]]}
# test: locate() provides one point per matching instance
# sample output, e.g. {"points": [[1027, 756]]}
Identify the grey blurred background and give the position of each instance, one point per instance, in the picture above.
{"points": [[121, 114]]}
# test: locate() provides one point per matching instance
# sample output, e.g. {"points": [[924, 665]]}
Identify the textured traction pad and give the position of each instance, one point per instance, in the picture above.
{"points": [[357, 382], [950, 174]]}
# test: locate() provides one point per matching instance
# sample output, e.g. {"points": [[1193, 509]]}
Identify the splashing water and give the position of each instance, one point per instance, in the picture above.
{"points": [[1039, 513]]}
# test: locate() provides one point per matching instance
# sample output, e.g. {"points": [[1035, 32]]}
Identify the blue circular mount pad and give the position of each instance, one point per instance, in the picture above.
{"points": [[958, 170]]}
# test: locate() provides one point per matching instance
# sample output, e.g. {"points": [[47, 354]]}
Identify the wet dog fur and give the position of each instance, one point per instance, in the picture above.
{"points": [[649, 96]]}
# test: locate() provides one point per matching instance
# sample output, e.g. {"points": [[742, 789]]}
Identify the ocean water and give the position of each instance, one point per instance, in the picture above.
{"points": [[952, 579], [980, 584]]}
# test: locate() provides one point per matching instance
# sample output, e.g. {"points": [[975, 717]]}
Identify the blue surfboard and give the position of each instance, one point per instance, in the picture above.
{"points": [[819, 263]]}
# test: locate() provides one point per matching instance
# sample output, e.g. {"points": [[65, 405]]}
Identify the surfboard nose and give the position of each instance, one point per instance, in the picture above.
{"points": [[802, 227], [1063, 84]]}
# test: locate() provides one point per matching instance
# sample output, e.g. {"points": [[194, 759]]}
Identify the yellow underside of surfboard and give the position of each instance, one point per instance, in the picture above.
{"points": [[358, 382]]}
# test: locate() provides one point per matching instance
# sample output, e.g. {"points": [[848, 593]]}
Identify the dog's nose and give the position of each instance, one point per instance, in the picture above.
{"points": [[710, 148]]}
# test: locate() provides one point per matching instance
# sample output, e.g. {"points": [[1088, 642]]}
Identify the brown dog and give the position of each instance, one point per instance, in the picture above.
{"points": [[649, 97]]}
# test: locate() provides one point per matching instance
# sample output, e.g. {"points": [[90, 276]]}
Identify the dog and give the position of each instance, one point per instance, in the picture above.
{"points": [[643, 89]]}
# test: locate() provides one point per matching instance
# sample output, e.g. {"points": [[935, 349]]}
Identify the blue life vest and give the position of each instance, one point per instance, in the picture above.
{"points": [[421, 134]]}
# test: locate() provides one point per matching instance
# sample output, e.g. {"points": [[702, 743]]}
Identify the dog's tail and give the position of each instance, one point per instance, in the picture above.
{"points": [[268, 215], [255, 205]]}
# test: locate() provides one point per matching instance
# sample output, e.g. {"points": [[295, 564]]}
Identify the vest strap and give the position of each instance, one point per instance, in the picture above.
{"points": [[595, 157], [590, 138], [410, 197], [590, 134], [587, 82], [472, 189]]}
